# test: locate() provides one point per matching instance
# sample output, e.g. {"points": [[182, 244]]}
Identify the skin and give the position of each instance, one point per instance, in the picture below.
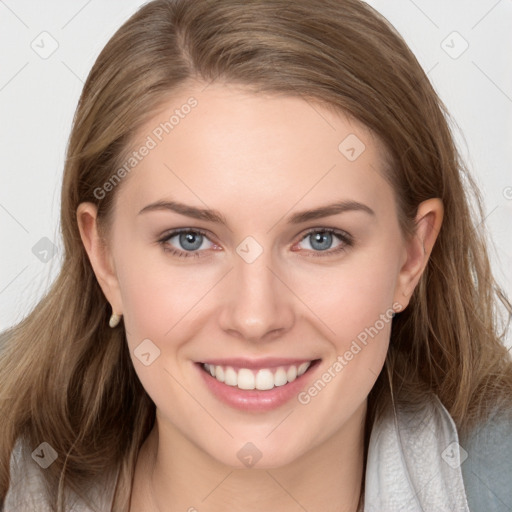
{"points": [[257, 160]]}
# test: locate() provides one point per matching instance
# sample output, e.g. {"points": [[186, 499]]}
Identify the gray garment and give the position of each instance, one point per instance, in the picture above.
{"points": [[487, 471], [27, 490], [415, 464]]}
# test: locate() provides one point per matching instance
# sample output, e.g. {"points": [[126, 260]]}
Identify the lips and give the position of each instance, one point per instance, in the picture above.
{"points": [[256, 385]]}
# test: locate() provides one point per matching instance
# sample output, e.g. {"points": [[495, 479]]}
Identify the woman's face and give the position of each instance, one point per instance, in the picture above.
{"points": [[257, 286]]}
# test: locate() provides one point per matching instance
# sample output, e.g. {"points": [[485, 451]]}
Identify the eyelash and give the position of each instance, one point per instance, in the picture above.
{"points": [[345, 238]]}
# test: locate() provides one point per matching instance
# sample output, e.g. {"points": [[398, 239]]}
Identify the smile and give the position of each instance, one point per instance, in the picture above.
{"points": [[262, 379], [256, 385]]}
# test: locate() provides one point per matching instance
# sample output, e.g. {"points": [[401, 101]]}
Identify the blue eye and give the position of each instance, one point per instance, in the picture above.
{"points": [[322, 239], [191, 240]]}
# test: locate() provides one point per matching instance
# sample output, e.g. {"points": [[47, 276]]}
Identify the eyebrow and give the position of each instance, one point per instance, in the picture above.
{"points": [[297, 218]]}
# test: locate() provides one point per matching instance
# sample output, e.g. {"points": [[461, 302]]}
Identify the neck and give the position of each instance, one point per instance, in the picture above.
{"points": [[173, 474]]}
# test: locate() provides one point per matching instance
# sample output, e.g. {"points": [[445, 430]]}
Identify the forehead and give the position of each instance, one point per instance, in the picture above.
{"points": [[220, 145]]}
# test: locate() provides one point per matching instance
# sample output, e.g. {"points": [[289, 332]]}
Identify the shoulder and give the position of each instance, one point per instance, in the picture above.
{"points": [[28, 492], [417, 460], [413, 462], [487, 468]]}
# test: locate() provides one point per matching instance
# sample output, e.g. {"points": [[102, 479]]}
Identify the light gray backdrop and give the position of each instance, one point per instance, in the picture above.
{"points": [[47, 49]]}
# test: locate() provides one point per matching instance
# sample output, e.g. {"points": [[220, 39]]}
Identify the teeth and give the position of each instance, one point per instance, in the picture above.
{"points": [[302, 368], [291, 374], [230, 377], [219, 373], [262, 380], [280, 377], [245, 379]]}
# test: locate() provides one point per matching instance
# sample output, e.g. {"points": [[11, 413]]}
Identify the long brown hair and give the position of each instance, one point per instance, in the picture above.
{"points": [[66, 378]]}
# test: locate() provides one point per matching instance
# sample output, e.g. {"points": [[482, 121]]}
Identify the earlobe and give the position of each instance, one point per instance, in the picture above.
{"points": [[429, 219], [98, 254]]}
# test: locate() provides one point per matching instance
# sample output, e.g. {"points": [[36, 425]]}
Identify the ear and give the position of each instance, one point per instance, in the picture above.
{"points": [[417, 251], [99, 255]]}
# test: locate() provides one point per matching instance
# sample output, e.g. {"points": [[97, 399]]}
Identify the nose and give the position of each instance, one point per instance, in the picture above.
{"points": [[259, 304]]}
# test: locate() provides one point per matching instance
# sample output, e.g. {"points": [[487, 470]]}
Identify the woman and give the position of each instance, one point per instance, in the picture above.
{"points": [[328, 341]]}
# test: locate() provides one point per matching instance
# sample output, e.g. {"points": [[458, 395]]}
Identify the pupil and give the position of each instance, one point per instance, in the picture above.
{"points": [[318, 237], [188, 238]]}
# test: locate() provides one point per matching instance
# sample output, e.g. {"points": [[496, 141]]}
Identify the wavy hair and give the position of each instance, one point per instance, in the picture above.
{"points": [[67, 378]]}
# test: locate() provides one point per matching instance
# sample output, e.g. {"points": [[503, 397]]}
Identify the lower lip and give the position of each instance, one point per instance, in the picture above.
{"points": [[254, 399]]}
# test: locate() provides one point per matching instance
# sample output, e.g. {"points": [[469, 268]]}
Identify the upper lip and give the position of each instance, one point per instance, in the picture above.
{"points": [[266, 362]]}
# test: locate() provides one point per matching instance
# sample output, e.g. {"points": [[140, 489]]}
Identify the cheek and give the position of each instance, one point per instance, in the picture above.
{"points": [[162, 299], [158, 305], [154, 299], [355, 306], [354, 302], [352, 296]]}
